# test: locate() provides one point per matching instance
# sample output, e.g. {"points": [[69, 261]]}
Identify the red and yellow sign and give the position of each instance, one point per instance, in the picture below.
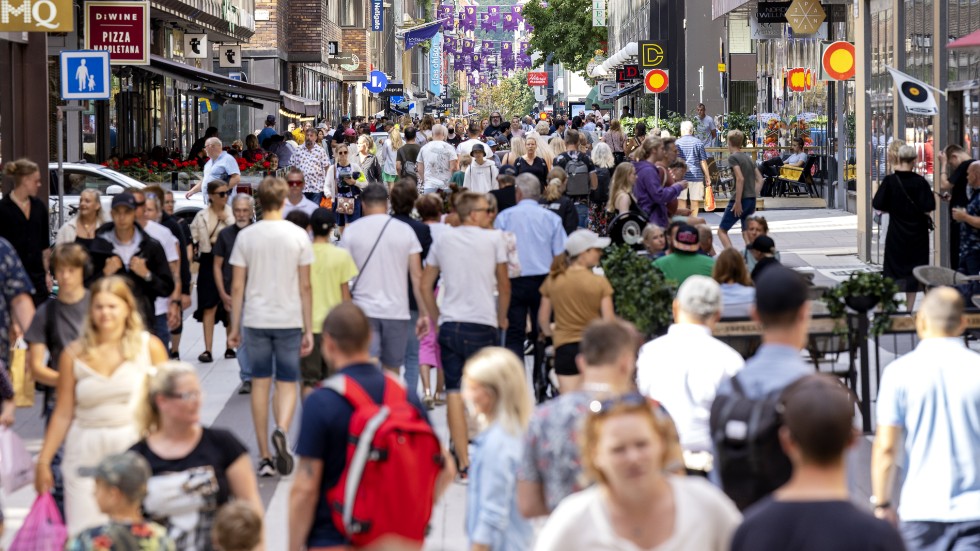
{"points": [[656, 81], [799, 79], [839, 60]]}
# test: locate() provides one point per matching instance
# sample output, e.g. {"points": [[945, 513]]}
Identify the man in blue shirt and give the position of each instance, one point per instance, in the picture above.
{"points": [[540, 238], [928, 401], [269, 130], [220, 166]]}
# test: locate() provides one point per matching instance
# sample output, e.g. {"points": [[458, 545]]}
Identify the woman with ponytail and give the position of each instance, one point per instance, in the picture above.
{"points": [[554, 199], [98, 375], [183, 454], [578, 296]]}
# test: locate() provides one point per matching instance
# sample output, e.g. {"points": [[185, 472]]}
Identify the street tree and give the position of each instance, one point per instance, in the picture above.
{"points": [[563, 30], [511, 96]]}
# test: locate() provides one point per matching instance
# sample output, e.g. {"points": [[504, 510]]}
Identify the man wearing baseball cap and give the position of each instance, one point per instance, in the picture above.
{"points": [[763, 249], [684, 260]]}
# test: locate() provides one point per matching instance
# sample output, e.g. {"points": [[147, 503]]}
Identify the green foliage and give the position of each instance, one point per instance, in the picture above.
{"points": [[564, 31], [672, 123], [512, 96], [872, 285], [740, 121], [642, 295]]}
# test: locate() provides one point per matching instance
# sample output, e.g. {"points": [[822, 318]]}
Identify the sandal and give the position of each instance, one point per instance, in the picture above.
{"points": [[440, 398], [230, 354], [205, 357], [428, 402]]}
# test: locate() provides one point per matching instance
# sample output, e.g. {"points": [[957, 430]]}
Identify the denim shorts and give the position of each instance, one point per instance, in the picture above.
{"points": [[458, 341], [389, 339], [264, 345], [728, 219]]}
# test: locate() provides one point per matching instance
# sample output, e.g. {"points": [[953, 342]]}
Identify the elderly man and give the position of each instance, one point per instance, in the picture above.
{"points": [[220, 166], [686, 383], [692, 151], [437, 160], [927, 403], [313, 160], [540, 238]]}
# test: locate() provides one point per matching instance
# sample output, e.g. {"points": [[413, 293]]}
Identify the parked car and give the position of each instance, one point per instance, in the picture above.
{"points": [[79, 176]]}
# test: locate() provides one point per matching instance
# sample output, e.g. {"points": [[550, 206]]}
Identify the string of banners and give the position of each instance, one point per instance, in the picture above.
{"points": [[467, 57], [506, 18]]}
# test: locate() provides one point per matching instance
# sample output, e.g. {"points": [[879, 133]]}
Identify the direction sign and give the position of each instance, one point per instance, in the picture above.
{"points": [[341, 58], [393, 90], [655, 81], [377, 81], [85, 74]]}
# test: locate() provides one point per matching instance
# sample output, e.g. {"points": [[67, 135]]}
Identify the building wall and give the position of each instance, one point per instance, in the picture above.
{"points": [[701, 49]]}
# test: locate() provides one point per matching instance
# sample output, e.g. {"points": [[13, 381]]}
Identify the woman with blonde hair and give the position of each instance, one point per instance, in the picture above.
{"points": [[557, 146], [518, 149], [182, 453], [577, 296], [98, 377], [495, 386], [554, 199], [388, 156], [635, 502], [81, 228], [621, 197], [605, 163]]}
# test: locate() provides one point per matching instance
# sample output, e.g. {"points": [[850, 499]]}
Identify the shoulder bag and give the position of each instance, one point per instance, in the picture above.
{"points": [[360, 269], [930, 223]]}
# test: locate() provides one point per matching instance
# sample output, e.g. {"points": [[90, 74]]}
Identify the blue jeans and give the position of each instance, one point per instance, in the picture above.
{"points": [[582, 208], [970, 265], [728, 219], [280, 345], [161, 330], [412, 356], [941, 536], [458, 341], [244, 369]]}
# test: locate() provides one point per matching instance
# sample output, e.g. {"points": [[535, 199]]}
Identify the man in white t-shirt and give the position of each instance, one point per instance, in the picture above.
{"points": [[683, 382], [474, 139], [437, 162], [166, 309], [473, 263], [277, 327], [220, 166], [384, 250], [295, 199]]}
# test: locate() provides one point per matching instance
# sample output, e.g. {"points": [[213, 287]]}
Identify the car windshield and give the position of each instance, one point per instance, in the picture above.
{"points": [[130, 182]]}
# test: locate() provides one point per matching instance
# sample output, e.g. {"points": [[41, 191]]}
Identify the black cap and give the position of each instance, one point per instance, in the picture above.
{"points": [[478, 147], [763, 244], [687, 239], [321, 220], [270, 119], [124, 200], [779, 289], [508, 170]]}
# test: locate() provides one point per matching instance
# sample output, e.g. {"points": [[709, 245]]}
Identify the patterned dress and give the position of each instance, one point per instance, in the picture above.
{"points": [[122, 536]]}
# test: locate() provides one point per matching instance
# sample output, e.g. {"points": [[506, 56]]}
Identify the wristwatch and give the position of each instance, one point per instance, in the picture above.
{"points": [[875, 504], [148, 276]]}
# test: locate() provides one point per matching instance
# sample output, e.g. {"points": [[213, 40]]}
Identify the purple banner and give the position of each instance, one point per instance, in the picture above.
{"points": [[506, 50], [447, 12], [494, 12], [448, 45], [486, 47], [509, 21], [486, 23], [467, 46], [468, 22]]}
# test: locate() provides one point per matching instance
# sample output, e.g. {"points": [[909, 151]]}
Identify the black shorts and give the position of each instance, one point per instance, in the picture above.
{"points": [[565, 360]]}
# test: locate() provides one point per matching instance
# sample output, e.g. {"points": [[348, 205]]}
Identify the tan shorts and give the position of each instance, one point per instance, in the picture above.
{"points": [[696, 189]]}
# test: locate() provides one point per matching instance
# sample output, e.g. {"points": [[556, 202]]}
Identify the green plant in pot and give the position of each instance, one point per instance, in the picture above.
{"points": [[641, 294], [862, 292]]}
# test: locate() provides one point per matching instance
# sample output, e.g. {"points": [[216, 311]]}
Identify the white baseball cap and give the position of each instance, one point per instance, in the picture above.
{"points": [[582, 240]]}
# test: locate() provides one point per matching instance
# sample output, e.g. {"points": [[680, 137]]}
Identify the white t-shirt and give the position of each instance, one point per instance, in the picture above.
{"points": [[381, 290], [467, 146], [468, 256], [705, 519], [435, 157], [304, 205], [481, 178], [273, 251], [684, 383], [166, 238]]}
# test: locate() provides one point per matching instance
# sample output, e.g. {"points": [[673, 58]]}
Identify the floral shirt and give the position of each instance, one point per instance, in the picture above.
{"points": [[14, 281], [970, 236], [314, 163], [121, 536]]}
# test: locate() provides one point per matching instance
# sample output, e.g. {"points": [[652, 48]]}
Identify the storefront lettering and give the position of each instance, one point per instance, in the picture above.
{"points": [[33, 13]]}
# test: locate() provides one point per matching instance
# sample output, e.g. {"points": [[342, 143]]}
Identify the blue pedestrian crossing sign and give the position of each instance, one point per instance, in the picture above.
{"points": [[377, 82], [85, 75]]}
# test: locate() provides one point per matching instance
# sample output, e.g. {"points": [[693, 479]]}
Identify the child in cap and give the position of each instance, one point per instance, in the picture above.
{"points": [[120, 486], [237, 527]]}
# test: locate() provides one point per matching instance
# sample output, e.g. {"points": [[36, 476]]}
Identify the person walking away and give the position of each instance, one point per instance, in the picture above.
{"points": [[268, 131], [275, 327], [737, 290], [684, 259], [406, 161], [691, 150], [179, 229], [97, 376], [325, 436], [295, 200], [25, 225], [437, 160], [554, 199], [403, 197], [207, 224], [472, 262], [167, 310], [763, 250], [481, 176], [429, 208], [243, 209], [473, 138], [634, 143], [616, 141], [621, 196], [752, 464], [969, 256], [506, 193], [605, 163], [907, 198], [651, 195], [220, 166], [582, 179], [495, 383], [683, 383], [389, 156], [540, 239], [237, 527], [925, 409], [747, 178], [577, 296], [813, 510]]}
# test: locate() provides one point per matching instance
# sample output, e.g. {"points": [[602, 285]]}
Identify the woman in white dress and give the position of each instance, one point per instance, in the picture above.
{"points": [[99, 378]]}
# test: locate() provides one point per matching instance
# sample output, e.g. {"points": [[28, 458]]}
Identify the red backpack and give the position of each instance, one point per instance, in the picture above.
{"points": [[393, 460]]}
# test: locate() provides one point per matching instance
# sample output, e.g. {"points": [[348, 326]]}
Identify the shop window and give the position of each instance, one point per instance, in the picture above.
{"points": [[351, 13]]}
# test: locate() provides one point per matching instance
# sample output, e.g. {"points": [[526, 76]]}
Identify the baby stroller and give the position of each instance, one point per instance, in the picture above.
{"points": [[543, 375]]}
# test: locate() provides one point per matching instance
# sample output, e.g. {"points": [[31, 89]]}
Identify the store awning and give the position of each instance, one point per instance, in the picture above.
{"points": [[971, 40], [594, 97], [303, 106], [207, 79], [625, 91]]}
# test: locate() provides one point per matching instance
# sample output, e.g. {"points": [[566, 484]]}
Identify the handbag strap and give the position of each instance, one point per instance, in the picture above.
{"points": [[901, 185], [360, 270]]}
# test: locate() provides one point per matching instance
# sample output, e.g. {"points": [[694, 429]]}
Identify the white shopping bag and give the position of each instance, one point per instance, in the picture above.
{"points": [[16, 465]]}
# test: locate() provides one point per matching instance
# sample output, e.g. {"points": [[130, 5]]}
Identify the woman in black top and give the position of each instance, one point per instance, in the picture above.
{"points": [[24, 223], [196, 470], [532, 162], [907, 198]]}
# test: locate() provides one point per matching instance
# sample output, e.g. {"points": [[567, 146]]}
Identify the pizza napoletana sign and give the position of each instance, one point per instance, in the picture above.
{"points": [[121, 28]]}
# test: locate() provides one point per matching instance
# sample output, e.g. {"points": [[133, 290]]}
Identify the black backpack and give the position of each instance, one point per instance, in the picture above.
{"points": [[600, 195], [745, 433]]}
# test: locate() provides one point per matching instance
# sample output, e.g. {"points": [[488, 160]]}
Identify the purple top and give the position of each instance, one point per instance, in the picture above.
{"points": [[651, 195]]}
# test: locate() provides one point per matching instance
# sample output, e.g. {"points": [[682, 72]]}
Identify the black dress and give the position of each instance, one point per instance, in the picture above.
{"points": [[906, 197], [538, 168]]}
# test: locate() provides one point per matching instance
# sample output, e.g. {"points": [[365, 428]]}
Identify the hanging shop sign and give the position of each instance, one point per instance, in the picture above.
{"points": [[45, 16], [805, 16], [196, 46], [628, 73], [839, 61], [653, 54], [772, 12], [120, 28]]}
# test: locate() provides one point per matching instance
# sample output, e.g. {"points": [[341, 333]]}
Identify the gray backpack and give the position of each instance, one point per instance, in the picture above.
{"points": [[578, 176]]}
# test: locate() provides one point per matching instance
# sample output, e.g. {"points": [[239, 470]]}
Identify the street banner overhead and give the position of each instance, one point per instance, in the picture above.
{"points": [[916, 95]]}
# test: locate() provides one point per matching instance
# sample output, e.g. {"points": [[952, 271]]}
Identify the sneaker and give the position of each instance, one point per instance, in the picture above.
{"points": [[246, 387], [230, 354], [266, 469], [174, 355], [284, 459]]}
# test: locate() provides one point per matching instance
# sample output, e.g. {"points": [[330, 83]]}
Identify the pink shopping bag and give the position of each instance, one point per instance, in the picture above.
{"points": [[43, 529]]}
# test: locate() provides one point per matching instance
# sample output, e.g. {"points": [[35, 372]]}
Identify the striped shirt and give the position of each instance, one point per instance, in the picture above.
{"points": [[692, 151]]}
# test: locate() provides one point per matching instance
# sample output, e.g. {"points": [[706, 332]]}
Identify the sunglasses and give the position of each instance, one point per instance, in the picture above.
{"points": [[140, 204], [185, 396], [294, 183], [221, 193], [602, 407]]}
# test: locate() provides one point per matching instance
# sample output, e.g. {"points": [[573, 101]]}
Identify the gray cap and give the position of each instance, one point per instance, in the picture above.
{"points": [[127, 471], [700, 296]]}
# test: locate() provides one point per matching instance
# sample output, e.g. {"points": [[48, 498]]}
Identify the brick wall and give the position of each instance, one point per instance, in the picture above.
{"points": [[270, 35], [355, 40]]}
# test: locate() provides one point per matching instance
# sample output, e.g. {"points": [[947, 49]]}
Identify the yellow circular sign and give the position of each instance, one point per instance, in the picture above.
{"points": [[656, 81]]}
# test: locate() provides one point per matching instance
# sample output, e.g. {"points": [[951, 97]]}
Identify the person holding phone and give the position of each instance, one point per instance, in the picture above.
{"points": [[343, 176]]}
